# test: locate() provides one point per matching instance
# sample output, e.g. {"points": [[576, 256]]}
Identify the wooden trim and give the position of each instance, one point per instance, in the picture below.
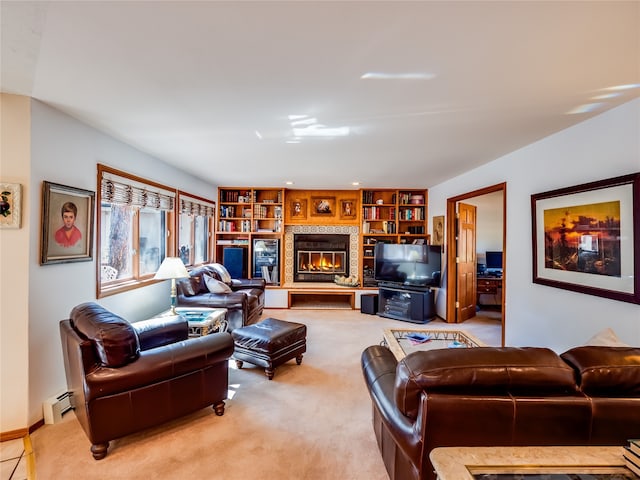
{"points": [[13, 434], [451, 223]]}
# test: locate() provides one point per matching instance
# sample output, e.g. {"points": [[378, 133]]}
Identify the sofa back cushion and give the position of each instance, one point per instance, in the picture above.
{"points": [[481, 371], [606, 371], [114, 339]]}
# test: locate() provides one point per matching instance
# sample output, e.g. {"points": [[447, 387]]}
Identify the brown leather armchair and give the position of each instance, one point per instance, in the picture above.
{"points": [[125, 377]]}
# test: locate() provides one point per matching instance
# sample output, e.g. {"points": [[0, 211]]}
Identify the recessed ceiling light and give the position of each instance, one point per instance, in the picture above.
{"points": [[321, 131], [355, 184], [258, 135], [605, 96], [304, 121], [293, 140], [397, 76], [288, 182], [624, 87], [586, 108]]}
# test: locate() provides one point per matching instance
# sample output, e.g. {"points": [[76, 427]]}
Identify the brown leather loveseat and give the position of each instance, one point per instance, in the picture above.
{"points": [[499, 397], [243, 298], [125, 377]]}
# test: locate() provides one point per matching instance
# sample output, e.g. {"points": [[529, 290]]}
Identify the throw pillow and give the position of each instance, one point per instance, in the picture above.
{"points": [[216, 286], [605, 338], [222, 272], [189, 286]]}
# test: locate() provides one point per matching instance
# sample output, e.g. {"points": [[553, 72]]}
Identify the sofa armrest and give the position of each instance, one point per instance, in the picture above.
{"points": [[230, 301], [242, 283], [160, 331], [379, 369], [159, 364]]}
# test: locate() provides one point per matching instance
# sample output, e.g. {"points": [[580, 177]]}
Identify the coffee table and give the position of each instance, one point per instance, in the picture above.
{"points": [[203, 321], [533, 462], [396, 340]]}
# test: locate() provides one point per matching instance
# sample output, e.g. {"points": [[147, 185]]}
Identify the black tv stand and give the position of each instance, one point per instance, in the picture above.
{"points": [[409, 303]]}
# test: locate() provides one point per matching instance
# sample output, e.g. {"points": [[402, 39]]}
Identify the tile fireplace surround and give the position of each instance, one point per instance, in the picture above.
{"points": [[352, 231]]}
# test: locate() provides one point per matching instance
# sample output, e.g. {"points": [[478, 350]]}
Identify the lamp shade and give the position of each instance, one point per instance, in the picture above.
{"points": [[172, 267]]}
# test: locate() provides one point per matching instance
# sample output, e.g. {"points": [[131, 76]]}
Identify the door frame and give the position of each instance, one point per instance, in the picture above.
{"points": [[451, 250]]}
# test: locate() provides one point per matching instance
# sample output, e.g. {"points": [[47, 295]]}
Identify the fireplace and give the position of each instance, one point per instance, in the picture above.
{"points": [[320, 257]]}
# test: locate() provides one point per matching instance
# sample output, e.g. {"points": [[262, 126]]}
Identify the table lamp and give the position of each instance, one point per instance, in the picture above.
{"points": [[172, 267]]}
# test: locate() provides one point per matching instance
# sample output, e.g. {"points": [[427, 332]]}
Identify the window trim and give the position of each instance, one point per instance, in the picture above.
{"points": [[171, 231]]}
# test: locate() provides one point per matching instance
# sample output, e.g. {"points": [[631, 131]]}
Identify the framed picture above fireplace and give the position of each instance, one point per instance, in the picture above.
{"points": [[323, 206], [298, 209]]}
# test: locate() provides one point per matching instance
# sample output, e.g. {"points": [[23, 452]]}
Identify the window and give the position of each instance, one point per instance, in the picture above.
{"points": [[195, 238], [135, 224]]}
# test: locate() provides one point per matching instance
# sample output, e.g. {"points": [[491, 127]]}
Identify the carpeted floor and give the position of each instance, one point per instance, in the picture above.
{"points": [[311, 421]]}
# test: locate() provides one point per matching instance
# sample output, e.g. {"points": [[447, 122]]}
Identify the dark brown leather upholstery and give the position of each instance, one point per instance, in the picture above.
{"points": [[124, 378], [270, 343], [244, 303], [498, 396]]}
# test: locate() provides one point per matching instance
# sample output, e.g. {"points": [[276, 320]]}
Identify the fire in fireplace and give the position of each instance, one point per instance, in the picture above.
{"points": [[319, 257]]}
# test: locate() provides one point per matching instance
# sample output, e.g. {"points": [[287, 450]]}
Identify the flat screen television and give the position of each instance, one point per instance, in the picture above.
{"points": [[493, 261], [408, 264]]}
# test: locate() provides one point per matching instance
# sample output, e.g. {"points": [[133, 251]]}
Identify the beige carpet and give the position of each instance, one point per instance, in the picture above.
{"points": [[311, 421]]}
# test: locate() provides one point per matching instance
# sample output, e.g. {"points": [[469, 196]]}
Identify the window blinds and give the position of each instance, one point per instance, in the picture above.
{"points": [[191, 206], [124, 191]]}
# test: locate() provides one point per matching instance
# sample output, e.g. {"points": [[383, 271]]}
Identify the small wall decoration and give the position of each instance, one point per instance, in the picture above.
{"points": [[10, 205], [348, 208], [437, 237], [323, 206], [298, 209], [587, 239], [67, 224]]}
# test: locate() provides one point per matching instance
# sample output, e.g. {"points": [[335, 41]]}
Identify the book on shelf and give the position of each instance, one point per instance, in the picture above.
{"points": [[265, 274]]}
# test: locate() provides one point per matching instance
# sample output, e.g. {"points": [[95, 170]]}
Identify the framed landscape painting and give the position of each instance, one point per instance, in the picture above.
{"points": [[67, 224], [586, 238]]}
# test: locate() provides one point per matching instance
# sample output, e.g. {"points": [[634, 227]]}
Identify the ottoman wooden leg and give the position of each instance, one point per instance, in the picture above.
{"points": [[299, 359], [269, 372], [219, 408], [239, 363]]}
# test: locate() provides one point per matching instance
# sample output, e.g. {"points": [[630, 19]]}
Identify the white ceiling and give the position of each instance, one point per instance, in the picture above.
{"points": [[192, 82]]}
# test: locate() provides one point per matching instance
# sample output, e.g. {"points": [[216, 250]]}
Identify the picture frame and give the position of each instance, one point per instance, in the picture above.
{"points": [[586, 238], [323, 206], [67, 224], [437, 237], [298, 209], [10, 205], [348, 209]]}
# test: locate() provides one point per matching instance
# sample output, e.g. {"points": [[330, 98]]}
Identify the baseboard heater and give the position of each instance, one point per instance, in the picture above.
{"points": [[56, 406]]}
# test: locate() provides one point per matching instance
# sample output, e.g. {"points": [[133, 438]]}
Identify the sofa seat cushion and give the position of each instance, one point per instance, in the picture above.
{"points": [[480, 371], [114, 339], [606, 371]]}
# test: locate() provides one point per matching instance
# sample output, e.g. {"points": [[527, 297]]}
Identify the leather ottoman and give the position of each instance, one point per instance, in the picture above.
{"points": [[269, 343]]}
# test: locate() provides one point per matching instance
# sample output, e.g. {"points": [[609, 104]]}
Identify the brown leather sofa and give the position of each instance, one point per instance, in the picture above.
{"points": [[499, 397], [244, 301], [125, 377]]}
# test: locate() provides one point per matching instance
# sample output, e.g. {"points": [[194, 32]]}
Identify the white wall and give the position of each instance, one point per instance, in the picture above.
{"points": [[489, 223], [66, 151], [14, 276], [605, 146]]}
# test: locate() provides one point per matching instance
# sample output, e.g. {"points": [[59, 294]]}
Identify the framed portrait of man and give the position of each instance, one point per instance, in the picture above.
{"points": [[67, 224]]}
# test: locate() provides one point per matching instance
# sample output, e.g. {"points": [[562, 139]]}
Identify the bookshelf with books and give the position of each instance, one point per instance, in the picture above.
{"points": [[391, 216], [246, 214]]}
